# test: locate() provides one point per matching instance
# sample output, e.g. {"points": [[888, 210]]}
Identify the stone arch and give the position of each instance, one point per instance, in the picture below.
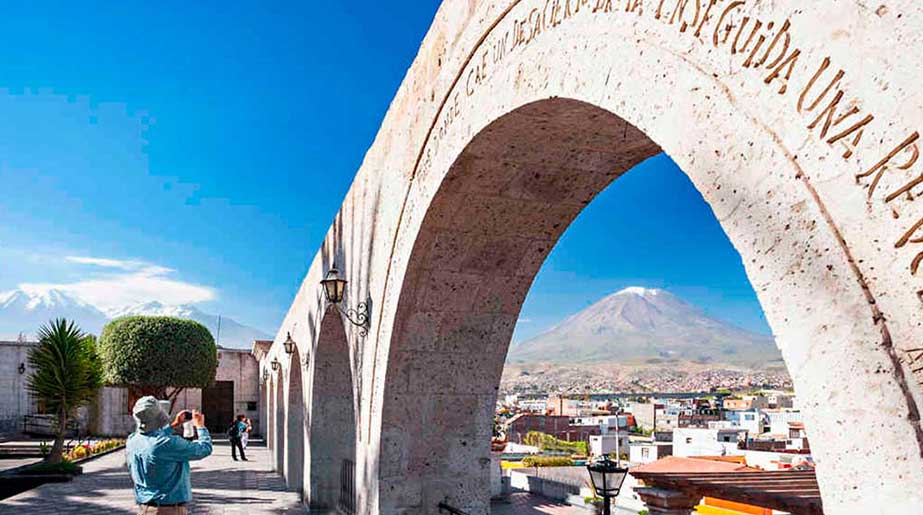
{"points": [[505, 201], [294, 425], [507, 102], [333, 417], [279, 431]]}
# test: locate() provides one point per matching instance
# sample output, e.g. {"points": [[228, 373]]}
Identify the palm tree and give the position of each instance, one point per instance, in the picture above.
{"points": [[66, 375]]}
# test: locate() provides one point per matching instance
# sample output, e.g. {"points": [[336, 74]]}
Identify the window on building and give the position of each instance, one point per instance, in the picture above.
{"points": [[726, 438], [645, 452], [251, 405]]}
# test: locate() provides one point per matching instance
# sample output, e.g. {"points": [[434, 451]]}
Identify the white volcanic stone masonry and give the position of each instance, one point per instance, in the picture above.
{"points": [[796, 120]]}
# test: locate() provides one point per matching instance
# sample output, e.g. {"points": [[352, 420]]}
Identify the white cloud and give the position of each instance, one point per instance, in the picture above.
{"points": [[136, 282], [524, 321], [103, 262]]}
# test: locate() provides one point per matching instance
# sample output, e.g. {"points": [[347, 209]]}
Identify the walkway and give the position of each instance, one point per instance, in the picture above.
{"points": [[526, 504], [220, 486]]}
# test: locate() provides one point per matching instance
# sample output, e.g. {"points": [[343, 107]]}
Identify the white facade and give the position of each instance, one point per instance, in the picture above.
{"points": [[779, 420], [752, 421], [642, 452], [689, 441], [610, 444]]}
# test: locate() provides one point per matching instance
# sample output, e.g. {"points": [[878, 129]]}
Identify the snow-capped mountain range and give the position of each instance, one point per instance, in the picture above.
{"points": [[24, 311], [644, 325]]}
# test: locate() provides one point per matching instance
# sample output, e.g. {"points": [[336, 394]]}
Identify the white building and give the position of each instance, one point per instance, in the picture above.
{"points": [[714, 441], [779, 420], [647, 452], [607, 423], [752, 421], [610, 444]]}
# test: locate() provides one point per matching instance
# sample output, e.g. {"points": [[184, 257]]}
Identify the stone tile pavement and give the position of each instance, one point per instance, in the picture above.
{"points": [[526, 504], [220, 486]]}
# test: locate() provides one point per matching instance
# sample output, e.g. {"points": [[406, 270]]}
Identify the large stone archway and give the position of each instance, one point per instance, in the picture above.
{"points": [[333, 418], [795, 121]]}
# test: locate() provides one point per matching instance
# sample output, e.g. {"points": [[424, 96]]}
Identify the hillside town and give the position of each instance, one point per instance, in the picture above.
{"points": [[535, 379]]}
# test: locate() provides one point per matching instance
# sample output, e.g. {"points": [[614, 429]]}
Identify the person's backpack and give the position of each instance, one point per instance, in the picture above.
{"points": [[233, 430]]}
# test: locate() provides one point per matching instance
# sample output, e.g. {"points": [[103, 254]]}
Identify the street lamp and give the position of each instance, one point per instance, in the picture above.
{"points": [[334, 289], [276, 365], [607, 478], [289, 344], [334, 286]]}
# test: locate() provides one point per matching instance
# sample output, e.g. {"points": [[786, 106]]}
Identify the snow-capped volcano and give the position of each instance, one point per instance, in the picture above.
{"points": [[642, 324], [23, 311]]}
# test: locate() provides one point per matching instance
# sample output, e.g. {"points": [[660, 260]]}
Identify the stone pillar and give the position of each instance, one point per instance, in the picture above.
{"points": [[668, 502]]}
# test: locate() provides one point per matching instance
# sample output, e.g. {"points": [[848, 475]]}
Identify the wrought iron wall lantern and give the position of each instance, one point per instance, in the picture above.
{"points": [[276, 365], [22, 368], [289, 344], [334, 289]]}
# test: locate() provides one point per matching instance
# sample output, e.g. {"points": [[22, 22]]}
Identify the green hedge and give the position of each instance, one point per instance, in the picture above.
{"points": [[157, 351], [547, 461], [547, 442]]}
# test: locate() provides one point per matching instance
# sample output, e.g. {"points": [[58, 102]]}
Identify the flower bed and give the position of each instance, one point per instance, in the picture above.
{"points": [[85, 451]]}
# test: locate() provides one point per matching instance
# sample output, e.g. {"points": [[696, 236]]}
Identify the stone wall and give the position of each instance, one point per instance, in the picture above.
{"points": [[15, 401]]}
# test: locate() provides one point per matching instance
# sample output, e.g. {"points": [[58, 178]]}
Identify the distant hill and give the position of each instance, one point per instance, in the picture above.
{"points": [[646, 326], [24, 312]]}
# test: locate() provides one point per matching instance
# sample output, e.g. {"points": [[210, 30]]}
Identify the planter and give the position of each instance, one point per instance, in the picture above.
{"points": [[16, 481]]}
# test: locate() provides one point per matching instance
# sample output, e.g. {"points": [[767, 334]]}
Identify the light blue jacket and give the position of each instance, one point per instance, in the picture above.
{"points": [[159, 464]]}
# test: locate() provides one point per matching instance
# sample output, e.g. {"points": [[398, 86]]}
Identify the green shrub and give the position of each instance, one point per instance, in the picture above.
{"points": [[547, 461], [151, 353], [547, 442]]}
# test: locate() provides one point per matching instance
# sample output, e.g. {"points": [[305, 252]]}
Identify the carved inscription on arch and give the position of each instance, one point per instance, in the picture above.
{"points": [[766, 47]]}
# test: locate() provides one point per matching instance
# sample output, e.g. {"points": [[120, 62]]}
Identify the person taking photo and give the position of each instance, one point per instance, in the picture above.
{"points": [[158, 460]]}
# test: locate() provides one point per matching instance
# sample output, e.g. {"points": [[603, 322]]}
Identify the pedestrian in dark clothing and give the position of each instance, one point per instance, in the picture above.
{"points": [[235, 431]]}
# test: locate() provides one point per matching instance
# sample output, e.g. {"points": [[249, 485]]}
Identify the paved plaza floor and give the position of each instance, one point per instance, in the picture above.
{"points": [[220, 486], [525, 504]]}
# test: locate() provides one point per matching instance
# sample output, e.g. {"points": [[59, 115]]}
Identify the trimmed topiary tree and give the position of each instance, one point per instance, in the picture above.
{"points": [[157, 355]]}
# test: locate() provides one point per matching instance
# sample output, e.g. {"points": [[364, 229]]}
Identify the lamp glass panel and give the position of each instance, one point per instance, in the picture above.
{"points": [[340, 289], [330, 290]]}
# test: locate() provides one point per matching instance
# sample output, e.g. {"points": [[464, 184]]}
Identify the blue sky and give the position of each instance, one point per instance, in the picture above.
{"points": [[198, 153]]}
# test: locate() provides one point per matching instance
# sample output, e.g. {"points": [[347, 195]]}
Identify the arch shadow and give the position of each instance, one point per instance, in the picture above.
{"points": [[332, 419]]}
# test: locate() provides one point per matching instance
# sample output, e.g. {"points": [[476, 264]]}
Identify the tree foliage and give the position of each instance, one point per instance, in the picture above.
{"points": [[153, 353], [66, 375]]}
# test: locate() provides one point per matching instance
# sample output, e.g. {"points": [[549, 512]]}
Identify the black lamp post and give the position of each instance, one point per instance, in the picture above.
{"points": [[289, 344], [334, 289], [607, 477], [276, 365]]}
